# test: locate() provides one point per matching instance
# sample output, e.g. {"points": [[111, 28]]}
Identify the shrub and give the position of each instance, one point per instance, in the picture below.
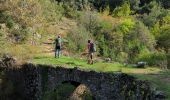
{"points": [[106, 25], [126, 25], [22, 52], [77, 39], [153, 58], [164, 40], [156, 12], [123, 10], [89, 20], [10, 22], [70, 11], [122, 57], [140, 36]]}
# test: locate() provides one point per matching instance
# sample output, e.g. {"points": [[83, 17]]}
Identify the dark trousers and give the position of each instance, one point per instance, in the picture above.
{"points": [[57, 51]]}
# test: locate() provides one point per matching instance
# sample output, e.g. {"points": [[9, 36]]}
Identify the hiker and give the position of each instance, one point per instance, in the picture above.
{"points": [[91, 50], [58, 46]]}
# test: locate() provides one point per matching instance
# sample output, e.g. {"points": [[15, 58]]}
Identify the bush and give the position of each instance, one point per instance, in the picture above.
{"points": [[156, 12], [140, 36], [164, 39], [77, 39], [123, 10], [10, 23], [89, 20], [126, 26], [69, 11], [21, 52], [153, 58], [106, 25]]}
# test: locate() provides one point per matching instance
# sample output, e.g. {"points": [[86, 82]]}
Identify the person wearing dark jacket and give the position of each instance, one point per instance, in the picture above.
{"points": [[58, 46]]}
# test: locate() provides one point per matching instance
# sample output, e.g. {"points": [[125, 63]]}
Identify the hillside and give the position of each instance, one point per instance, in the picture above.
{"points": [[124, 31]]}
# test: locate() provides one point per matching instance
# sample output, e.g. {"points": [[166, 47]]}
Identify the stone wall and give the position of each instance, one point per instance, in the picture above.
{"points": [[33, 80]]}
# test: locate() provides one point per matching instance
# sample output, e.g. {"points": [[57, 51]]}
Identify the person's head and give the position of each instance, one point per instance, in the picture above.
{"points": [[59, 36], [89, 41]]}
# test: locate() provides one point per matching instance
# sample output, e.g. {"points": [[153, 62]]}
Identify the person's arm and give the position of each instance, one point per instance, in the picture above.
{"points": [[87, 48], [54, 41]]}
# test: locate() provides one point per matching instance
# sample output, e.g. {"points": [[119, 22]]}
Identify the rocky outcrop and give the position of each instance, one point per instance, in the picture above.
{"points": [[80, 92]]}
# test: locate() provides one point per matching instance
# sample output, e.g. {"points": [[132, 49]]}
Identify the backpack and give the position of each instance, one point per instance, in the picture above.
{"points": [[93, 47], [58, 42]]}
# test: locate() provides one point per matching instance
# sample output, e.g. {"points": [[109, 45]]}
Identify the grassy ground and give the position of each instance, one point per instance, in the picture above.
{"points": [[98, 66], [156, 76]]}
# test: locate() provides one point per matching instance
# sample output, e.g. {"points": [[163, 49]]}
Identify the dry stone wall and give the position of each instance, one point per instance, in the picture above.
{"points": [[33, 80]]}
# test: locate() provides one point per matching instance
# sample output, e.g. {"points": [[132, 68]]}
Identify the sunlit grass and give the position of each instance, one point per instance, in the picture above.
{"points": [[98, 66]]}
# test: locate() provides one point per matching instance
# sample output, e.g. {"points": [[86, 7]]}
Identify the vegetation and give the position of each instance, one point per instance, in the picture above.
{"points": [[99, 66], [62, 92], [126, 31], [122, 30]]}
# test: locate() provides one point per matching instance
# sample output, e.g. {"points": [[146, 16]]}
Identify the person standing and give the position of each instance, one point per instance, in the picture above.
{"points": [[91, 50], [58, 46]]}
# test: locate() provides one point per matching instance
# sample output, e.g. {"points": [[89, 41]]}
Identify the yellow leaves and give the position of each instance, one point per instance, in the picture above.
{"points": [[166, 20]]}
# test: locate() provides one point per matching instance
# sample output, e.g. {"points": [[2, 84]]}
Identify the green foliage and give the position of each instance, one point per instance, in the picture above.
{"points": [[153, 58], [161, 31], [106, 25], [70, 12], [120, 36], [90, 20], [165, 3], [62, 92], [106, 11], [77, 38], [126, 26], [103, 48], [51, 10], [123, 10], [10, 22], [156, 12], [141, 36], [164, 39]]}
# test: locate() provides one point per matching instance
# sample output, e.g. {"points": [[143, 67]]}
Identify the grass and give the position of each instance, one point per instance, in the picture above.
{"points": [[158, 78], [98, 66]]}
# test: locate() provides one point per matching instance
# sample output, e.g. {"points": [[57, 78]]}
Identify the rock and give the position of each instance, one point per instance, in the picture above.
{"points": [[107, 59], [79, 93], [141, 64], [159, 95], [7, 61]]}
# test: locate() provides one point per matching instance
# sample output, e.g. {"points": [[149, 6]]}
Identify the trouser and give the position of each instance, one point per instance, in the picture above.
{"points": [[57, 53], [90, 58]]}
